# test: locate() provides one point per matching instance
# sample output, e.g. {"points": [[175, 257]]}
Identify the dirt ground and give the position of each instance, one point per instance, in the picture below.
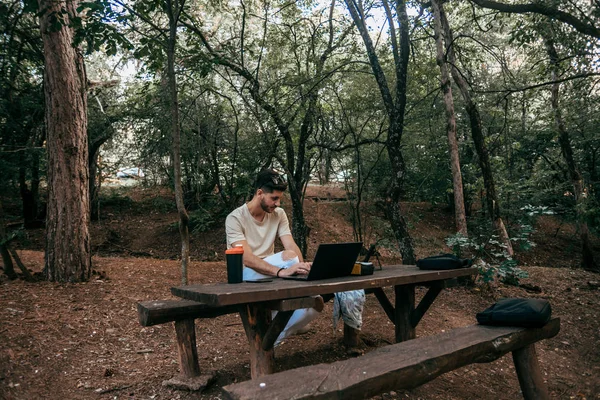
{"points": [[83, 341]]}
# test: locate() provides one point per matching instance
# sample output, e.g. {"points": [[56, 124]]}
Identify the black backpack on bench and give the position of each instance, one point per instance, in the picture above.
{"points": [[528, 313], [443, 261]]}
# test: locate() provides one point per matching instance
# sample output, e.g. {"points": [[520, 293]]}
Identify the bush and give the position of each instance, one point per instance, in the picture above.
{"points": [[163, 205], [116, 200], [201, 221], [494, 261]]}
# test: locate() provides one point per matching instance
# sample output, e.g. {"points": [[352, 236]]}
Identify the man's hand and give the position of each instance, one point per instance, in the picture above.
{"points": [[301, 268]]}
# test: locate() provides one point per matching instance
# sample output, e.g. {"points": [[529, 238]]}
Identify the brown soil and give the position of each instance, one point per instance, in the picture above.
{"points": [[83, 340]]}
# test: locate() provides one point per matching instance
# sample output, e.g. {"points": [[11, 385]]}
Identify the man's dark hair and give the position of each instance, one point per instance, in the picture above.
{"points": [[269, 180]]}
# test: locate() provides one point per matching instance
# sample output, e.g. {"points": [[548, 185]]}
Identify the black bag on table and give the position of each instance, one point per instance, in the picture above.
{"points": [[528, 313], [443, 261]]}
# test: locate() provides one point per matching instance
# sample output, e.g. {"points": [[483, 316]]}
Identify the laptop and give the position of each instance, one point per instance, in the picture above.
{"points": [[333, 260]]}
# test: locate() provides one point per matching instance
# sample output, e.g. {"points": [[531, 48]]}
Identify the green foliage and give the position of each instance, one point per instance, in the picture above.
{"points": [[201, 221], [98, 26], [162, 204], [14, 234], [494, 262], [116, 201], [226, 136], [458, 243], [209, 214]]}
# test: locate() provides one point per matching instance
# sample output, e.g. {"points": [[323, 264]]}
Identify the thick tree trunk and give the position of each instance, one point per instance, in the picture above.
{"points": [[587, 254], [459, 202], [67, 223], [478, 139], [173, 11]]}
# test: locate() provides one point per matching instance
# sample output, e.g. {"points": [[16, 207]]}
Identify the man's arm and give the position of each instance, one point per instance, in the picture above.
{"points": [[263, 267], [290, 244]]}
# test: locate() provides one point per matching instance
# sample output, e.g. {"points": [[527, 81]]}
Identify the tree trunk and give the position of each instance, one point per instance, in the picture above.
{"points": [[394, 210], [299, 228], [478, 139], [27, 198], [35, 186], [9, 269], [459, 202], [173, 12], [395, 108], [94, 153], [67, 224], [94, 206], [587, 259]]}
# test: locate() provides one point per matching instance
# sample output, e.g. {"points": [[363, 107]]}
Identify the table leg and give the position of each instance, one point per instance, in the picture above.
{"points": [[186, 346], [405, 306], [256, 321], [351, 336]]}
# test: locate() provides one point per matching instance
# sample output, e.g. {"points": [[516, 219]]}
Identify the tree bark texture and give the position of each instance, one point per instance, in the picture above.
{"points": [[395, 107], [173, 12], [587, 255], [478, 139], [459, 201], [9, 269], [67, 223]]}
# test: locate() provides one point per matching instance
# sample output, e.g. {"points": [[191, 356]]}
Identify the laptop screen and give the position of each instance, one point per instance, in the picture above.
{"points": [[333, 260]]}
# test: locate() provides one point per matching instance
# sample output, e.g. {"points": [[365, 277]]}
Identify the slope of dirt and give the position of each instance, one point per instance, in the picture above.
{"points": [[83, 341]]}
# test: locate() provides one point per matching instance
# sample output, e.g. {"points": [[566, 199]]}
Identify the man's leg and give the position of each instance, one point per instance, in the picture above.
{"points": [[302, 317]]}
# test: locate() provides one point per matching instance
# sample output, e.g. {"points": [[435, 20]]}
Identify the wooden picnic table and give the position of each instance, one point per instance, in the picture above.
{"points": [[256, 300]]}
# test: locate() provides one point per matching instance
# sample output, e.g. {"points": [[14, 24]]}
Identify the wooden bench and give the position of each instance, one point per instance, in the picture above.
{"points": [[406, 365], [184, 312]]}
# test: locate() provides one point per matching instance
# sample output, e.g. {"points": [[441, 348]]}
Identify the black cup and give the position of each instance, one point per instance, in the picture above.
{"points": [[235, 266]]}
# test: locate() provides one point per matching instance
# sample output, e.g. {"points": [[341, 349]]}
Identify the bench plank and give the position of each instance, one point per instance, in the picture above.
{"points": [[158, 312], [401, 366]]}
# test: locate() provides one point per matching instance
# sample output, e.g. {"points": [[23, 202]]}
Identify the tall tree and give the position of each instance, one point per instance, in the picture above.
{"points": [[156, 42], [68, 256], [460, 217], [174, 9], [477, 134], [291, 106], [395, 105], [21, 102], [579, 186]]}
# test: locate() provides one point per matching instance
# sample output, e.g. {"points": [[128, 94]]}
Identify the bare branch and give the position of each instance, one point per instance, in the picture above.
{"points": [[543, 9]]}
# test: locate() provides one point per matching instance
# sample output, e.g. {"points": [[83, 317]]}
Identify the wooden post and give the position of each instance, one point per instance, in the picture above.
{"points": [[529, 374], [351, 336], [405, 306], [186, 346], [256, 321]]}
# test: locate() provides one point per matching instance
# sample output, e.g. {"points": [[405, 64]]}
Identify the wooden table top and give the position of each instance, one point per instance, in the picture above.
{"points": [[222, 294]]}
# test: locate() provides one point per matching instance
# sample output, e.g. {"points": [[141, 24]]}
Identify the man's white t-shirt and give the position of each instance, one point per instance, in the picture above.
{"points": [[240, 225]]}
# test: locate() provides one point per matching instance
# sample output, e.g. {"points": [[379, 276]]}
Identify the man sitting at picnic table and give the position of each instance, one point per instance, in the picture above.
{"points": [[255, 226]]}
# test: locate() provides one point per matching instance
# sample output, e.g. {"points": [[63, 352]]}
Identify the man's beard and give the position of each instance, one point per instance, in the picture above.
{"points": [[266, 208]]}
